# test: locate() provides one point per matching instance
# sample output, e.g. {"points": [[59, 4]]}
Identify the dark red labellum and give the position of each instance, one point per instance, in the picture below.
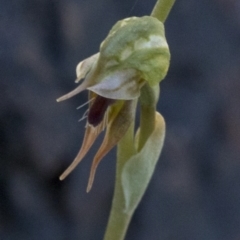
{"points": [[97, 110]]}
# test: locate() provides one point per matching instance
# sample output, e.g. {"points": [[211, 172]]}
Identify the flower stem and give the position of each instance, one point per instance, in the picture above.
{"points": [[162, 9], [119, 219]]}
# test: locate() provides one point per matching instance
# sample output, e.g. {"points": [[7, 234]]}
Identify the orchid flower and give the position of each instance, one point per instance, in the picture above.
{"points": [[134, 54], [132, 61]]}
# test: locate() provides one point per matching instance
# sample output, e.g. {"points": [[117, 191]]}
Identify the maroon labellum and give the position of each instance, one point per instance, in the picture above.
{"points": [[98, 109]]}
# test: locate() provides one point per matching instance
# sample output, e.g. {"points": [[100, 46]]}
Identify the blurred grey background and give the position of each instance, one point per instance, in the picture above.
{"points": [[195, 191]]}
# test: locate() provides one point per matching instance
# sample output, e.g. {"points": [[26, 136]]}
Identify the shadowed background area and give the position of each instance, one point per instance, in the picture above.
{"points": [[195, 191]]}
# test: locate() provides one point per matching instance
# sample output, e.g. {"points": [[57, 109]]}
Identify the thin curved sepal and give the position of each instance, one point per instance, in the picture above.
{"points": [[91, 133], [90, 136], [116, 128]]}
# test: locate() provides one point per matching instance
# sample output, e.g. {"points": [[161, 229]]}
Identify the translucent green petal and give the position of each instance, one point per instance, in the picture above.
{"points": [[139, 169]]}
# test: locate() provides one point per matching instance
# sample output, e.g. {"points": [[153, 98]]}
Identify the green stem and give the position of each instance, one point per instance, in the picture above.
{"points": [[119, 219], [162, 9]]}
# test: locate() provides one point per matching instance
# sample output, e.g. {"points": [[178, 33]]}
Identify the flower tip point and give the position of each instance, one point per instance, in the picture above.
{"points": [[62, 177], [64, 97], [77, 80], [89, 186], [88, 189], [91, 179]]}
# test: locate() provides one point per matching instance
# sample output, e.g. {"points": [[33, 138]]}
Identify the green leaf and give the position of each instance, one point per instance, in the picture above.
{"points": [[138, 170]]}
